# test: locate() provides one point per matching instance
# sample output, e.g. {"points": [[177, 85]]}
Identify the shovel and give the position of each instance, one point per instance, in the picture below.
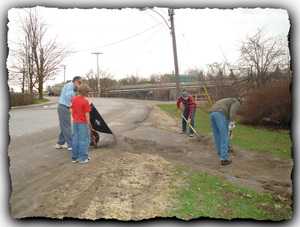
{"points": [[230, 135], [190, 125]]}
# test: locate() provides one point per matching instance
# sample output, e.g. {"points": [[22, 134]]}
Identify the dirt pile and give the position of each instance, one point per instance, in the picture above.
{"points": [[130, 180]]}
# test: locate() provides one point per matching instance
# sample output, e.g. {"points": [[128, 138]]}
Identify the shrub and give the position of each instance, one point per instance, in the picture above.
{"points": [[18, 99], [270, 105]]}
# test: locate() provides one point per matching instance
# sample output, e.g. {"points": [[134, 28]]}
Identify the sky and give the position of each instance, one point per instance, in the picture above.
{"points": [[138, 42]]}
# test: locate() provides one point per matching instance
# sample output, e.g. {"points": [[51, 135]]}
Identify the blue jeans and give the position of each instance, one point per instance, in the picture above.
{"points": [[186, 113], [65, 125], [219, 124], [81, 141]]}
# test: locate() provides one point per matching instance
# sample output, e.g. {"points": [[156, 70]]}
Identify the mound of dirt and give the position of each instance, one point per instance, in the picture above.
{"points": [[251, 169]]}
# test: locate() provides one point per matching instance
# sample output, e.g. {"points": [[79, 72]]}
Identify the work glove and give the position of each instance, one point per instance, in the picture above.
{"points": [[189, 121], [179, 111], [231, 125]]}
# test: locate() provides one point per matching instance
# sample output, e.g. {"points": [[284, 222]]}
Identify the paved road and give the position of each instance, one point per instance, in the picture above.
{"points": [[39, 117], [35, 128]]}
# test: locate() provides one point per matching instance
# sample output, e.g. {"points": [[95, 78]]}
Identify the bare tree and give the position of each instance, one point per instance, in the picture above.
{"points": [[42, 56], [260, 56], [106, 80], [92, 80], [199, 73]]}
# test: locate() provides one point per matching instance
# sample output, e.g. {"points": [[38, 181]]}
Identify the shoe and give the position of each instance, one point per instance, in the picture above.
{"points": [[225, 162], [74, 160], [69, 148], [87, 160], [58, 146], [182, 132], [192, 135]]}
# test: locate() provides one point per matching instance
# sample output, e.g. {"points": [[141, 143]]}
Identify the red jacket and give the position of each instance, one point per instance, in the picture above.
{"points": [[189, 104]]}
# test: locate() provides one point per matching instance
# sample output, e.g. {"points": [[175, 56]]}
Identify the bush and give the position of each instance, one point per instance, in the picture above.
{"points": [[19, 99], [270, 105]]}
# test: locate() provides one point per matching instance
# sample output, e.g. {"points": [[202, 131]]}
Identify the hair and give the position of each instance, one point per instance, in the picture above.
{"points": [[83, 89], [76, 78]]}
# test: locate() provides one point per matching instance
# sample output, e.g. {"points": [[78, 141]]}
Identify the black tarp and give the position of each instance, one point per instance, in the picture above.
{"points": [[97, 121]]}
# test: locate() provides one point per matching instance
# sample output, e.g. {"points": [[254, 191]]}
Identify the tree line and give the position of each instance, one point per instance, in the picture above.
{"points": [[38, 58]]}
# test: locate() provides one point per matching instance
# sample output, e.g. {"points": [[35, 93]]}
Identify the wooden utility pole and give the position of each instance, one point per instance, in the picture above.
{"points": [[172, 28], [99, 88]]}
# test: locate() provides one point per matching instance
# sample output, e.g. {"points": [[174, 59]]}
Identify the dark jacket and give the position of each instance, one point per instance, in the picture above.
{"points": [[228, 107]]}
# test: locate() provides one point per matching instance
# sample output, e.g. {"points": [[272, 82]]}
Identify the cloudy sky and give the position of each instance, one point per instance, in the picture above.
{"points": [[135, 42]]}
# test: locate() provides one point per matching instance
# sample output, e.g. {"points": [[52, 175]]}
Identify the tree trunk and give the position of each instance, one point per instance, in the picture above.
{"points": [[41, 95]]}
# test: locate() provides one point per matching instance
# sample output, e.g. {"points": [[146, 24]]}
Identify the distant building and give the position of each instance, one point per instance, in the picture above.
{"points": [[187, 78], [57, 88]]}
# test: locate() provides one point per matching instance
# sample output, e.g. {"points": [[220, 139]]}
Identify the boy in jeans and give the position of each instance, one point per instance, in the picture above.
{"points": [[80, 111]]}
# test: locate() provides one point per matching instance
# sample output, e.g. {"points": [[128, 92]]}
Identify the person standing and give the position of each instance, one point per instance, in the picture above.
{"points": [[67, 93], [80, 110], [222, 114], [188, 111]]}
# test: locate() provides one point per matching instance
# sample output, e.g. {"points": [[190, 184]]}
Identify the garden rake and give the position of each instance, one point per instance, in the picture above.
{"points": [[190, 126]]}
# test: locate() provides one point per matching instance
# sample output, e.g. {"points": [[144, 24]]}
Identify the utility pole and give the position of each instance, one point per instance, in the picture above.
{"points": [[172, 31], [99, 88], [171, 14]]}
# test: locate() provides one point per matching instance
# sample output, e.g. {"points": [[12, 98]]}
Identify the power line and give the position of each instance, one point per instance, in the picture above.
{"points": [[140, 45], [116, 42], [83, 28]]}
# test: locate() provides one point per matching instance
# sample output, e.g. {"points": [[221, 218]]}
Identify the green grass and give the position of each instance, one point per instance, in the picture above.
{"points": [[41, 100], [247, 137], [201, 195]]}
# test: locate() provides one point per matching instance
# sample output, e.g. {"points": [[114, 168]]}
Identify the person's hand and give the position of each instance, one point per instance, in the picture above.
{"points": [[179, 111], [189, 121], [231, 125]]}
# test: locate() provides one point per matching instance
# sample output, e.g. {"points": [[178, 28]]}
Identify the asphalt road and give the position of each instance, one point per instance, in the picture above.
{"points": [[39, 117], [36, 127]]}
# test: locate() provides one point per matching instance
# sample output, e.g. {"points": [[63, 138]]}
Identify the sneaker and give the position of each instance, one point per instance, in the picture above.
{"points": [[182, 132], [192, 135], [225, 162], [69, 148], [58, 146], [74, 160], [87, 160]]}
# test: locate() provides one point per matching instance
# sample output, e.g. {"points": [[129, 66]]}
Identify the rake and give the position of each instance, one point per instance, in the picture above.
{"points": [[190, 126]]}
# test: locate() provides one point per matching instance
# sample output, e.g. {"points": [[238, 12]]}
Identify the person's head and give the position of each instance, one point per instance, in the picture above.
{"points": [[83, 89], [185, 95], [77, 80]]}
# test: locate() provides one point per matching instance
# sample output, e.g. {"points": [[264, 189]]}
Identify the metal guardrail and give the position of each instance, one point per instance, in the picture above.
{"points": [[149, 87]]}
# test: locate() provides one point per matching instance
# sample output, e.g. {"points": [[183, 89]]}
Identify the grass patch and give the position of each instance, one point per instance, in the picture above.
{"points": [[201, 195], [41, 101], [276, 144]]}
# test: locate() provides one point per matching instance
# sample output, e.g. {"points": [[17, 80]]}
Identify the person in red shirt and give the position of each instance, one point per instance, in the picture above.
{"points": [[188, 111], [80, 111]]}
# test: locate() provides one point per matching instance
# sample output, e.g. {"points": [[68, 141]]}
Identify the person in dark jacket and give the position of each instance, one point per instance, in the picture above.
{"points": [[188, 111], [222, 116]]}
